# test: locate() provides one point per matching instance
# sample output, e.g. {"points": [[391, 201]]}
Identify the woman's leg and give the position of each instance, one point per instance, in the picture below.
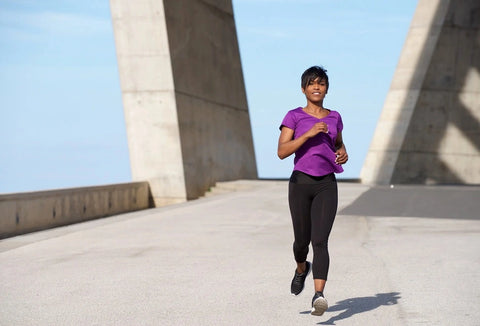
{"points": [[300, 206], [300, 201], [323, 211]]}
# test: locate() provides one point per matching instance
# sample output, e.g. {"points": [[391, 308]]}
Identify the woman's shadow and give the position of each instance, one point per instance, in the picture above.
{"points": [[350, 307]]}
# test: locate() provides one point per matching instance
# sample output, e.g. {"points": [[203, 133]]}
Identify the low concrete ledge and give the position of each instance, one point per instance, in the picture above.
{"points": [[33, 211]]}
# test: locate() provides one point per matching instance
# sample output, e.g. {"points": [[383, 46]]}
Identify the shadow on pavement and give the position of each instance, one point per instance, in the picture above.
{"points": [[452, 202], [358, 305]]}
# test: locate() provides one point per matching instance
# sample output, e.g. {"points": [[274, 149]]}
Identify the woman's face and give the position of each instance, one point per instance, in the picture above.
{"points": [[316, 90]]}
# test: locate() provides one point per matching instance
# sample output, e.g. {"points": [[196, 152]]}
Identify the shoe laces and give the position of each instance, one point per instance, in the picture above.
{"points": [[299, 277]]}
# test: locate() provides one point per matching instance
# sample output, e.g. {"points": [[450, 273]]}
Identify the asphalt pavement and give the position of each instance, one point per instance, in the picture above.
{"points": [[399, 256]]}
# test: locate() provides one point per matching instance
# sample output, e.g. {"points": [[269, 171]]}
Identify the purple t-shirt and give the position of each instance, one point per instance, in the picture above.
{"points": [[317, 155]]}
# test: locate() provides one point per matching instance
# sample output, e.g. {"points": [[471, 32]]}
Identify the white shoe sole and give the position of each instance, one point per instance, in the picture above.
{"points": [[320, 305]]}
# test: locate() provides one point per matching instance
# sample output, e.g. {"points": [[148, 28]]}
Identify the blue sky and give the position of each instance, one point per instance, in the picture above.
{"points": [[61, 115]]}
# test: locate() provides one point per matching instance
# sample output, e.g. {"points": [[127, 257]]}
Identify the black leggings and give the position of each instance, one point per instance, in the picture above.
{"points": [[313, 205]]}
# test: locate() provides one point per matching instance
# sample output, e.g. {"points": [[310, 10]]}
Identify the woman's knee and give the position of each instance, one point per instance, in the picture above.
{"points": [[320, 244], [300, 249]]}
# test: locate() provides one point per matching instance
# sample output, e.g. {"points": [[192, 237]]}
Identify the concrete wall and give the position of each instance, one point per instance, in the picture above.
{"points": [[148, 95], [429, 130], [184, 98], [212, 108], [27, 212]]}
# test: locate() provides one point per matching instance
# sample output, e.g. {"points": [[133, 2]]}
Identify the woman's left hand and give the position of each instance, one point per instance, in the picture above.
{"points": [[342, 156]]}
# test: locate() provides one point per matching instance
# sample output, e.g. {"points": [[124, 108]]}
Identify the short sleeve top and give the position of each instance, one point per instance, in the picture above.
{"points": [[316, 156]]}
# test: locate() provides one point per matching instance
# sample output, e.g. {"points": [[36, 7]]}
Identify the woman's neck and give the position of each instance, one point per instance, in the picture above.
{"points": [[314, 107]]}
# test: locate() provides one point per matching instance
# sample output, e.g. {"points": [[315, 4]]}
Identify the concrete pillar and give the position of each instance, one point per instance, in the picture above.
{"points": [[429, 129], [183, 94]]}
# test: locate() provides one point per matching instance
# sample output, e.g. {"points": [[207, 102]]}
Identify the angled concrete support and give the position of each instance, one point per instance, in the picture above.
{"points": [[429, 129], [183, 92]]}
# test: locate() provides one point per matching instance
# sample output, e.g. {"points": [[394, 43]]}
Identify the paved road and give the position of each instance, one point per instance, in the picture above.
{"points": [[226, 260]]}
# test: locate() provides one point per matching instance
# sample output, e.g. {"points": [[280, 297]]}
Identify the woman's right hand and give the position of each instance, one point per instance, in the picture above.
{"points": [[316, 129], [287, 145]]}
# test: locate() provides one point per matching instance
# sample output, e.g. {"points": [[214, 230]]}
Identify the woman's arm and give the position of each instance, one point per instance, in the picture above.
{"points": [[341, 151], [287, 145]]}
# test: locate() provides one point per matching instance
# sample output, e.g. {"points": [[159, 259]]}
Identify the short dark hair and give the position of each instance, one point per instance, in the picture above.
{"points": [[313, 73]]}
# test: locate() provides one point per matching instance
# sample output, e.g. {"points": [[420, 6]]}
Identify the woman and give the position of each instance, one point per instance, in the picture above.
{"points": [[314, 134]]}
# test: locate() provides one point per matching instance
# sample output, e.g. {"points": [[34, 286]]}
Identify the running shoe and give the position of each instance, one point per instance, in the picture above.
{"points": [[298, 282], [319, 304]]}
